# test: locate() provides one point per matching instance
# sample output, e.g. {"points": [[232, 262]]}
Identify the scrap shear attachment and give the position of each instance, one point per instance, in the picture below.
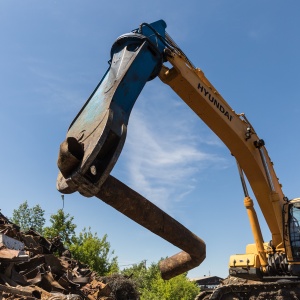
{"points": [[96, 137]]}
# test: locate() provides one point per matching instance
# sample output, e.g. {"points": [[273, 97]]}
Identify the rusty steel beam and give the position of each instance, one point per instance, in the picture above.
{"points": [[142, 211]]}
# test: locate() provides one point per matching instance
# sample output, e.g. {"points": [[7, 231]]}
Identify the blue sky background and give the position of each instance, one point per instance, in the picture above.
{"points": [[53, 54]]}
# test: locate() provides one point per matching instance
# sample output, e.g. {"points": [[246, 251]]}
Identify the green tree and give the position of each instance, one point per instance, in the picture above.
{"points": [[153, 287], [95, 252], [29, 217], [87, 247], [62, 226]]}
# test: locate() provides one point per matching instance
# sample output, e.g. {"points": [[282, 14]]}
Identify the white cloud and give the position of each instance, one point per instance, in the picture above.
{"points": [[163, 155]]}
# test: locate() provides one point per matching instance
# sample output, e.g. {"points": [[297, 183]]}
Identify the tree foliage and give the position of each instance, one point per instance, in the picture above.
{"points": [[29, 217], [61, 225], [153, 287], [95, 252], [87, 247]]}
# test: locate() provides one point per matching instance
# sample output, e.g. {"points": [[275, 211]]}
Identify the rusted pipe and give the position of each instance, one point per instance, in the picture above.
{"points": [[142, 211], [139, 209]]}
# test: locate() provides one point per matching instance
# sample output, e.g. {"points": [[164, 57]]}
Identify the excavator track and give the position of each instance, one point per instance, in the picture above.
{"points": [[238, 289]]}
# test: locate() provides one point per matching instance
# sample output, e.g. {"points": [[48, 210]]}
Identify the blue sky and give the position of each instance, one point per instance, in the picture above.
{"points": [[53, 54]]}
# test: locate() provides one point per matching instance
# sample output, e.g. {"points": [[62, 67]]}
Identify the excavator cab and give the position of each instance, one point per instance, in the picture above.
{"points": [[292, 228]]}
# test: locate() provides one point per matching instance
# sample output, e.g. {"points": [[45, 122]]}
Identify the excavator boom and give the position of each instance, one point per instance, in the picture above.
{"points": [[234, 130]]}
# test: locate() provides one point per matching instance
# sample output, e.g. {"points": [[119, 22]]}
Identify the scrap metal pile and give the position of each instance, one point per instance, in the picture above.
{"points": [[32, 267]]}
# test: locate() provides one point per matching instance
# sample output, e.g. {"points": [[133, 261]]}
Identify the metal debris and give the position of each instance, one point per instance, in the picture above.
{"points": [[30, 269]]}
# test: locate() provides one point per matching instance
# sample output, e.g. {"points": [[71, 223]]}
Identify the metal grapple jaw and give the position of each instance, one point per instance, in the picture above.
{"points": [[96, 137]]}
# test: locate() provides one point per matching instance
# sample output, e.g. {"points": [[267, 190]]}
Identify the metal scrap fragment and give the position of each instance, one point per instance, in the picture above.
{"points": [[38, 273]]}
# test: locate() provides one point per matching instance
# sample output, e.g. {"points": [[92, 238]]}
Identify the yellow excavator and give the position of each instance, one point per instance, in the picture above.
{"points": [[96, 136]]}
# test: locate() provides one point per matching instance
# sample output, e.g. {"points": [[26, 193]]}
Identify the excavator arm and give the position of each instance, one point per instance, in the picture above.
{"points": [[96, 136]]}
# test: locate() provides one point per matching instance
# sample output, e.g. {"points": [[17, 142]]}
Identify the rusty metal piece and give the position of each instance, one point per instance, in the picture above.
{"points": [[139, 209], [29, 292], [180, 263], [11, 255]]}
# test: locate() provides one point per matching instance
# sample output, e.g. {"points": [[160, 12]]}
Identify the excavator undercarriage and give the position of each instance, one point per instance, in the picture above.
{"points": [[234, 288]]}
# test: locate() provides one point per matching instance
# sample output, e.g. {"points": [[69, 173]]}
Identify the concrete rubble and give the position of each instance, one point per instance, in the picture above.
{"points": [[32, 267]]}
